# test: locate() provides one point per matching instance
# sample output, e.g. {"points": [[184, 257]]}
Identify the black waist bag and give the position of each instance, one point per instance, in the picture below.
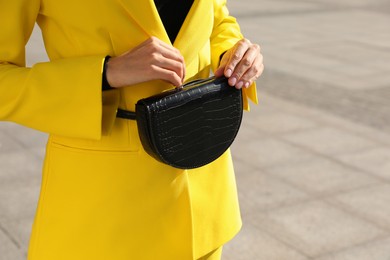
{"points": [[191, 126]]}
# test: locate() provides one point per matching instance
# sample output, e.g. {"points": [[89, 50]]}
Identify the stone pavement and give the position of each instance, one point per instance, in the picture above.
{"points": [[312, 160]]}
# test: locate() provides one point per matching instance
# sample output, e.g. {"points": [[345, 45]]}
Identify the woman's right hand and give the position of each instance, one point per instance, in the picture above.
{"points": [[153, 59]]}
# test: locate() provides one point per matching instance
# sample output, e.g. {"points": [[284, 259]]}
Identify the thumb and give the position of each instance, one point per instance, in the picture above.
{"points": [[220, 71]]}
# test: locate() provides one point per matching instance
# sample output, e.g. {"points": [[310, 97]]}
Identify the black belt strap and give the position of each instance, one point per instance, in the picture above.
{"points": [[125, 114]]}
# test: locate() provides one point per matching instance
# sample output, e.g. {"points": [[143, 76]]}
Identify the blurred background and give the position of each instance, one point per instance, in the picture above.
{"points": [[312, 160]]}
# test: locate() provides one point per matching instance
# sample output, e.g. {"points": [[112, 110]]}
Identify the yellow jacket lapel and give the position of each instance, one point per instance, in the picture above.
{"points": [[145, 14], [195, 30]]}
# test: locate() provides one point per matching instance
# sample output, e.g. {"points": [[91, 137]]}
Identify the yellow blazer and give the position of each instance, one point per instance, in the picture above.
{"points": [[102, 196]]}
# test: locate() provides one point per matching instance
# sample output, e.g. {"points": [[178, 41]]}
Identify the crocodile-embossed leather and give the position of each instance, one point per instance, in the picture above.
{"points": [[190, 127]]}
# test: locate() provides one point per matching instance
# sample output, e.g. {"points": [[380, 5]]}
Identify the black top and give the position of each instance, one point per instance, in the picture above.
{"points": [[173, 14]]}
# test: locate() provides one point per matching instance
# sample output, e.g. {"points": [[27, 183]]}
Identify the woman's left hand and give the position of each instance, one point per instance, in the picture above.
{"points": [[242, 64]]}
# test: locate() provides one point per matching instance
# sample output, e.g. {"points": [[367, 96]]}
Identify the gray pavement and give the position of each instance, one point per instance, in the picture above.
{"points": [[312, 160]]}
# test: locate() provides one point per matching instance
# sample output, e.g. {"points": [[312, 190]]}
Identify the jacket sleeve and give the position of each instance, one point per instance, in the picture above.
{"points": [[226, 33], [61, 97]]}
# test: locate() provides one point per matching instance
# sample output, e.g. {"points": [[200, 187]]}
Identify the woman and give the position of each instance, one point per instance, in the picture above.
{"points": [[102, 196]]}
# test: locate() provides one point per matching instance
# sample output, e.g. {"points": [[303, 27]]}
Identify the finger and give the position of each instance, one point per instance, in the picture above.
{"points": [[168, 50], [256, 70], [163, 55], [167, 75], [221, 70], [171, 53], [170, 64], [237, 53], [155, 45], [252, 74], [184, 73], [245, 64], [150, 41], [250, 82]]}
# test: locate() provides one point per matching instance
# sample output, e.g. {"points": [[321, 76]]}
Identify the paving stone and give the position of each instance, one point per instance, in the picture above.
{"points": [[352, 3], [8, 250], [17, 211], [19, 168], [267, 7], [317, 228], [279, 123], [18, 200], [26, 137], [38, 152], [334, 63], [247, 133], [377, 250], [8, 144], [322, 177], [266, 152], [373, 203], [363, 108], [376, 161], [253, 243], [35, 48], [330, 141], [328, 119], [261, 192], [19, 190], [350, 53], [19, 229]]}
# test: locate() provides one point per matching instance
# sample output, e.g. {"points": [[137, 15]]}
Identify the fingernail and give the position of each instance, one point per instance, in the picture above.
{"points": [[239, 84], [228, 73], [247, 85], [232, 81]]}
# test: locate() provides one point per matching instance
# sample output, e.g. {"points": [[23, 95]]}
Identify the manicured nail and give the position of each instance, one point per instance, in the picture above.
{"points": [[247, 85], [239, 84], [228, 73], [232, 81]]}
